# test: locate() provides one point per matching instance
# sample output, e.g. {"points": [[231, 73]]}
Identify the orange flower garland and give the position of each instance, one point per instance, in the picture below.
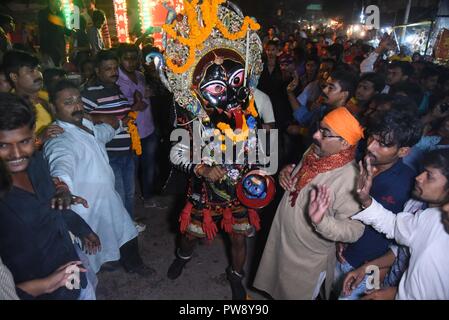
{"points": [[243, 135], [247, 22], [226, 128], [251, 108], [198, 34], [134, 133]]}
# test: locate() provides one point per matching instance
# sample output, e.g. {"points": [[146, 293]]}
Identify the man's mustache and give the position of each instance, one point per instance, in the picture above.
{"points": [[79, 112], [317, 143]]}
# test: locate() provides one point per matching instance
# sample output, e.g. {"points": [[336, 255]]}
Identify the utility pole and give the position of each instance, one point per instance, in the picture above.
{"points": [[406, 15]]}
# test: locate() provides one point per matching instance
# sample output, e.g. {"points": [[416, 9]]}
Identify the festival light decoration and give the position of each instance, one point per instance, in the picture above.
{"points": [[153, 14], [121, 20], [146, 8]]}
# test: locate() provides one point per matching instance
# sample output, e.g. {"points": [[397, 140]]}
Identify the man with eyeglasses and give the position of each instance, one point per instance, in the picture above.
{"points": [[300, 252]]}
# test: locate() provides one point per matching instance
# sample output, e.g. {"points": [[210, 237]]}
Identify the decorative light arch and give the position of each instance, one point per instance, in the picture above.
{"points": [[152, 13], [121, 20], [146, 8]]}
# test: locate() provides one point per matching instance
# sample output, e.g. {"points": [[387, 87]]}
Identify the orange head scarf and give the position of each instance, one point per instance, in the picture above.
{"points": [[343, 123]]}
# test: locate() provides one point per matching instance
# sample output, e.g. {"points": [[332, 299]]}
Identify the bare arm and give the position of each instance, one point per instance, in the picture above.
{"points": [[355, 277], [291, 93], [108, 119], [56, 280], [336, 226], [385, 261]]}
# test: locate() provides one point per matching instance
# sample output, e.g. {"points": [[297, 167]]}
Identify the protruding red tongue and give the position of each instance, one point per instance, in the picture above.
{"points": [[238, 118]]}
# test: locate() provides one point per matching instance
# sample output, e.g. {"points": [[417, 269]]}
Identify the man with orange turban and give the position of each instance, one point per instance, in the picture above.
{"points": [[300, 252]]}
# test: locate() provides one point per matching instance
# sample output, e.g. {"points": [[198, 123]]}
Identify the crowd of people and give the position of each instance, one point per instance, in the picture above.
{"points": [[86, 128], [358, 197], [363, 150]]}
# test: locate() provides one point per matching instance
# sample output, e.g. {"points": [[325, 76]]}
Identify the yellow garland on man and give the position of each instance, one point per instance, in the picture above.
{"points": [[134, 133]]}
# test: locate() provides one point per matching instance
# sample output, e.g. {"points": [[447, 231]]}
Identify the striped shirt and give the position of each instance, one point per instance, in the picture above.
{"points": [[7, 287], [109, 100]]}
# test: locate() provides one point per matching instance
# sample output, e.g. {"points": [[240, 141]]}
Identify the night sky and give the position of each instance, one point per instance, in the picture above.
{"points": [[264, 9]]}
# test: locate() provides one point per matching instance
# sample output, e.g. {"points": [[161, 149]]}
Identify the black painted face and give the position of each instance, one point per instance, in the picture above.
{"points": [[222, 85]]}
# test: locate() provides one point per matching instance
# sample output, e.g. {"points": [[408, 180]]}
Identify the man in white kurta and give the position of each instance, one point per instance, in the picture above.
{"points": [[424, 233], [78, 157], [427, 276]]}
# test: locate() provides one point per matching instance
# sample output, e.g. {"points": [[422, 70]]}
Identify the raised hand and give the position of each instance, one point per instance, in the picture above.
{"points": [[386, 44], [138, 104], [318, 203], [365, 182], [287, 182], [293, 84]]}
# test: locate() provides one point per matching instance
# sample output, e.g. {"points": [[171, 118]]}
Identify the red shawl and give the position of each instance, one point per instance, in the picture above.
{"points": [[313, 166]]}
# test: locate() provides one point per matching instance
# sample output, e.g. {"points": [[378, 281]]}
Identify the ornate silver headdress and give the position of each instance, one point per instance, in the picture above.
{"points": [[199, 30]]}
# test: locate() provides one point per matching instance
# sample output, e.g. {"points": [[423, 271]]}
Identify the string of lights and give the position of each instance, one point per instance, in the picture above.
{"points": [[121, 20]]}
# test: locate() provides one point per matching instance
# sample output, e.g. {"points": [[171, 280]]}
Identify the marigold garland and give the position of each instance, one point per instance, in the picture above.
{"points": [[198, 34], [134, 133], [247, 22], [226, 128], [252, 109]]}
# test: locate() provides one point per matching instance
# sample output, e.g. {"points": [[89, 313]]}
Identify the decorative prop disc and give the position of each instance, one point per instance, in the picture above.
{"points": [[256, 189]]}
